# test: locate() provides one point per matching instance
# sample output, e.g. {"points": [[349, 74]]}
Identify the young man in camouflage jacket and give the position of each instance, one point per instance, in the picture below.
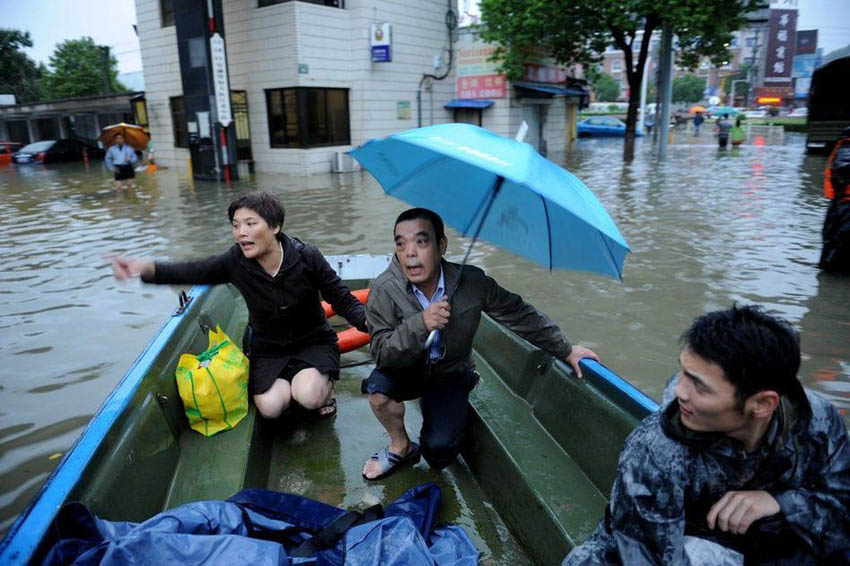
{"points": [[742, 466]]}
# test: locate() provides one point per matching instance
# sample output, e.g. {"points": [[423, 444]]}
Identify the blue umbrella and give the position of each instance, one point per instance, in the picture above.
{"points": [[500, 190]]}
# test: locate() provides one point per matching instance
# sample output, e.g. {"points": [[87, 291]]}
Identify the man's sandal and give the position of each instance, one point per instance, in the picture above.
{"points": [[390, 462]]}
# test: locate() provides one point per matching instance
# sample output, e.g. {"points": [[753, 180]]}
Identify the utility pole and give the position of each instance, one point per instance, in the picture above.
{"points": [[666, 89], [104, 50]]}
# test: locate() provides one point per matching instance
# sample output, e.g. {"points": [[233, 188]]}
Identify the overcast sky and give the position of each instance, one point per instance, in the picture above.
{"points": [[110, 22]]}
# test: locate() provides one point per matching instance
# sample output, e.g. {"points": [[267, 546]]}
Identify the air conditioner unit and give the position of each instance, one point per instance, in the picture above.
{"points": [[341, 162]]}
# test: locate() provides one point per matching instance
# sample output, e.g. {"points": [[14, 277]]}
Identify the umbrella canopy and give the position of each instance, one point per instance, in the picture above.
{"points": [[724, 110], [134, 135], [695, 109], [528, 204]]}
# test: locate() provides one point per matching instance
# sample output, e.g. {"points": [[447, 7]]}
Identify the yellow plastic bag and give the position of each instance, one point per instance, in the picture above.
{"points": [[214, 385]]}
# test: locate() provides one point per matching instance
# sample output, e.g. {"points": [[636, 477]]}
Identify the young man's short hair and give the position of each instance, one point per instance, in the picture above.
{"points": [[756, 350], [269, 207], [423, 214]]}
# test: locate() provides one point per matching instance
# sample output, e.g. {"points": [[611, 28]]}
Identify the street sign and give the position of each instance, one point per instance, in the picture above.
{"points": [[220, 83], [380, 38]]}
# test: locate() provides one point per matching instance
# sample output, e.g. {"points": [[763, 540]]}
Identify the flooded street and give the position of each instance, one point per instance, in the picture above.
{"points": [[707, 228]]}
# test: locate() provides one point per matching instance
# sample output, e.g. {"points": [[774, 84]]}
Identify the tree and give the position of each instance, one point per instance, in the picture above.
{"points": [[578, 31], [77, 70], [19, 75], [688, 88], [607, 88]]}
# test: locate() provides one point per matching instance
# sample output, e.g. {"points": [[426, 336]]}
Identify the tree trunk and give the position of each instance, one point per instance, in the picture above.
{"points": [[631, 117]]}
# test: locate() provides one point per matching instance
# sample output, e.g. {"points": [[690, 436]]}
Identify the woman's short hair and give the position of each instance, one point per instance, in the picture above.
{"points": [[269, 207]]}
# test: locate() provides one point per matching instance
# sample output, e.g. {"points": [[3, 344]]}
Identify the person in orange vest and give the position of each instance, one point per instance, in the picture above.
{"points": [[835, 255]]}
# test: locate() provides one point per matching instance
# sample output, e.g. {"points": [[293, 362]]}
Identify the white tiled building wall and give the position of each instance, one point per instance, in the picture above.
{"points": [[265, 47]]}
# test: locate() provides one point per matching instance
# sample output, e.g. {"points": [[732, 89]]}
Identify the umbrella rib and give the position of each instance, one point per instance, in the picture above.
{"points": [[611, 255], [548, 229]]}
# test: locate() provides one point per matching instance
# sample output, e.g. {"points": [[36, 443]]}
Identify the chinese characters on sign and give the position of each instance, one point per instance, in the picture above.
{"points": [[477, 76], [782, 30], [544, 73], [220, 83], [483, 86]]}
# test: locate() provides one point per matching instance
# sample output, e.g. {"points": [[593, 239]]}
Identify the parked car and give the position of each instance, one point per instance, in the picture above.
{"points": [[799, 113], [602, 126], [48, 151], [7, 148], [756, 113]]}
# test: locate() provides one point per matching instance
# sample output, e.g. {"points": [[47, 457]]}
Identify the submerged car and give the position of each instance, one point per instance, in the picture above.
{"points": [[47, 151], [602, 126], [7, 148]]}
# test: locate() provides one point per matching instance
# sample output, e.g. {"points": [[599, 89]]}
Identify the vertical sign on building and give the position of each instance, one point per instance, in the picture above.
{"points": [[220, 83], [380, 37], [805, 56], [782, 32]]}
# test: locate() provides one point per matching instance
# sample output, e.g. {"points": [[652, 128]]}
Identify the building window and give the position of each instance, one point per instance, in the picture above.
{"points": [[140, 113], [178, 122], [733, 42], [616, 66], [239, 108], [751, 42], [166, 12], [308, 117], [331, 3]]}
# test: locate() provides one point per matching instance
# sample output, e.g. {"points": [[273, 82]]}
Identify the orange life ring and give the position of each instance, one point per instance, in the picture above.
{"points": [[350, 338]]}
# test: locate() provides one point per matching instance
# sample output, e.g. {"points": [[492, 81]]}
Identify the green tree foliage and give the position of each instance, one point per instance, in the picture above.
{"points": [[607, 88], [19, 75], [688, 88], [578, 31], [77, 70]]}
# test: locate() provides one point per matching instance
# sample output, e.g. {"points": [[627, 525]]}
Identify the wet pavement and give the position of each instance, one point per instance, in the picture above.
{"points": [[707, 228]]}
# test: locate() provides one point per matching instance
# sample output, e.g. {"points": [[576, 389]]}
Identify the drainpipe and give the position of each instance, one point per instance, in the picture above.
{"points": [[451, 25]]}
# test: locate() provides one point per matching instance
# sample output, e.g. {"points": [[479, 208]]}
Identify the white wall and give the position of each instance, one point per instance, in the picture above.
{"points": [[265, 47], [161, 67]]}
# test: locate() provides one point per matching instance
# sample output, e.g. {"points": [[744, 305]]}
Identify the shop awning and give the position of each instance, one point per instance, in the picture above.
{"points": [[550, 89], [472, 103]]}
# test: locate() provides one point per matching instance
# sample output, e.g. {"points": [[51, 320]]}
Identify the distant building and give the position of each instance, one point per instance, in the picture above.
{"points": [[303, 79], [80, 118], [547, 98]]}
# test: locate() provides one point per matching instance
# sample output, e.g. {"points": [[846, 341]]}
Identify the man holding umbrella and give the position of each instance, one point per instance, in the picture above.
{"points": [[123, 141], [406, 303]]}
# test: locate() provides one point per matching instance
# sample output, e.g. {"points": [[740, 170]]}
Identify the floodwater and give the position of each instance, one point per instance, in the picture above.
{"points": [[707, 228]]}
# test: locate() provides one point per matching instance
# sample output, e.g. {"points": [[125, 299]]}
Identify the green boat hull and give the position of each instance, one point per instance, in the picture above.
{"points": [[533, 480]]}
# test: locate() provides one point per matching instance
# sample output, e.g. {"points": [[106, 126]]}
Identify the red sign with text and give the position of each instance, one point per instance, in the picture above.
{"points": [[482, 86]]}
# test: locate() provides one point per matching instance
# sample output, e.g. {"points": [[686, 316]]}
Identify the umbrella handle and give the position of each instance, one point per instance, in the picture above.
{"points": [[431, 338]]}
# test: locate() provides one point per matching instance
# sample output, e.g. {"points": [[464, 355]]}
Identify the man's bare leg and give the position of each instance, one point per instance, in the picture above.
{"points": [[390, 414]]}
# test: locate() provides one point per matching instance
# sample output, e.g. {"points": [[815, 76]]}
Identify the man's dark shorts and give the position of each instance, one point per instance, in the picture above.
{"points": [[444, 403]]}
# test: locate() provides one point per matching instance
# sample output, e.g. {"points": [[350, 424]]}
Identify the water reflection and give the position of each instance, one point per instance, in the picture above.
{"points": [[707, 227]]}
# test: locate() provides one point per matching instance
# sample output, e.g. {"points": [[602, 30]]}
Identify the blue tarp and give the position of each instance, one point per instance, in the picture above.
{"points": [[471, 103], [258, 527]]}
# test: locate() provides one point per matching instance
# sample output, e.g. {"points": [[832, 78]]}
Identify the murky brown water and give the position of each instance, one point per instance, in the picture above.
{"points": [[707, 228]]}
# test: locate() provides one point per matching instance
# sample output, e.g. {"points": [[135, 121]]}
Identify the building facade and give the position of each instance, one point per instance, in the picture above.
{"points": [[302, 78]]}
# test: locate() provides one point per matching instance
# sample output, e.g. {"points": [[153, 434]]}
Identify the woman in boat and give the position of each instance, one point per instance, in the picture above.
{"points": [[292, 349]]}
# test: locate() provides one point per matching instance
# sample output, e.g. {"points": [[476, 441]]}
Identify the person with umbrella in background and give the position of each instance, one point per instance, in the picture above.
{"points": [[121, 158], [123, 141], [406, 303]]}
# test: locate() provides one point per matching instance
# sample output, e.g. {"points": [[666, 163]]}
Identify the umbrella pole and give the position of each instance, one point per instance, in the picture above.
{"points": [[497, 186]]}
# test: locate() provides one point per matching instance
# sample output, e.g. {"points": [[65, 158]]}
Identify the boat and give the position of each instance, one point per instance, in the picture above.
{"points": [[532, 482]]}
